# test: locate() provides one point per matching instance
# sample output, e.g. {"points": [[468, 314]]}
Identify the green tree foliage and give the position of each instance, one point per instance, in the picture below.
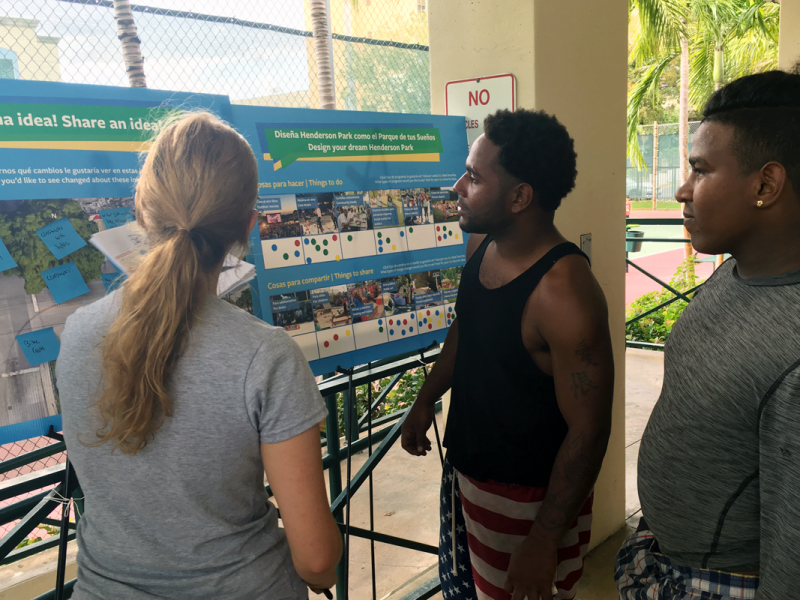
{"points": [[18, 232]]}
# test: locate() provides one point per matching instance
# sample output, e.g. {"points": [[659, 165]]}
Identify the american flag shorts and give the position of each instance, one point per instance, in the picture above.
{"points": [[482, 523], [643, 573]]}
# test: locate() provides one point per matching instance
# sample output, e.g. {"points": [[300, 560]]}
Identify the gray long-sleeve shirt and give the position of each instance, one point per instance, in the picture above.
{"points": [[719, 479]]}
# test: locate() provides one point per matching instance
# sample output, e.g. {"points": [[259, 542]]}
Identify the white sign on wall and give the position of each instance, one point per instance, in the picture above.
{"points": [[479, 97]]}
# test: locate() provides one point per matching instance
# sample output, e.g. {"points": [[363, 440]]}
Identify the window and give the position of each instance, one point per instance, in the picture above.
{"points": [[421, 6], [6, 68]]}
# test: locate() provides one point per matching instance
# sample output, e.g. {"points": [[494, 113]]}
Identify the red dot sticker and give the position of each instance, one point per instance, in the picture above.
{"points": [[429, 313], [405, 321], [334, 238], [430, 325], [440, 238], [297, 242], [438, 228], [336, 338], [326, 344], [391, 322]]}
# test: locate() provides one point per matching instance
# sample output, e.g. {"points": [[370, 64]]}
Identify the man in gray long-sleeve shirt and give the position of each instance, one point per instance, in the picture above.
{"points": [[719, 477]]}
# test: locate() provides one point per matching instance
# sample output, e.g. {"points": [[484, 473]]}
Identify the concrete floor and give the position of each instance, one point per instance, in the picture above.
{"points": [[406, 492]]}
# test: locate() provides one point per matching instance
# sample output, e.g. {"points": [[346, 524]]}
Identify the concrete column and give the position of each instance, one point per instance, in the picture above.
{"points": [[789, 47], [569, 59]]}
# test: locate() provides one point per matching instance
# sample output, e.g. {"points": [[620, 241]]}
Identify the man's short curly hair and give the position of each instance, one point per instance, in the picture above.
{"points": [[536, 149]]}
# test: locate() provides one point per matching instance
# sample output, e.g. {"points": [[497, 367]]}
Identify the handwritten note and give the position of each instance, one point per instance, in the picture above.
{"points": [[112, 281], [39, 346], [114, 217], [6, 262], [61, 238], [65, 282]]}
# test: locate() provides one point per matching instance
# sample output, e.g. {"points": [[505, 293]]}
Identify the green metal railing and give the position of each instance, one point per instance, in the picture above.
{"points": [[676, 294]]}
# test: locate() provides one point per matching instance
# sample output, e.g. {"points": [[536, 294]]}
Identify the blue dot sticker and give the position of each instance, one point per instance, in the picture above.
{"points": [[445, 236], [380, 249], [274, 247], [437, 313], [306, 242], [419, 323], [308, 261], [380, 242], [403, 332], [297, 252], [402, 234], [391, 332], [380, 321], [411, 329]]}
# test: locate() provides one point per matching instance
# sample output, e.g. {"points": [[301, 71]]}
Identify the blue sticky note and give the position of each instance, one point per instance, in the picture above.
{"points": [[114, 217], [61, 238], [39, 346], [65, 282], [6, 262], [112, 281]]}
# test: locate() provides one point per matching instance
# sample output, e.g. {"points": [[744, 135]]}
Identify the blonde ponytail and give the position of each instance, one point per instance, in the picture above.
{"points": [[195, 195]]}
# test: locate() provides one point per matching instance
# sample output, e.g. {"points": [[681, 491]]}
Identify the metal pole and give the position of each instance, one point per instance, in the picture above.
{"points": [[655, 164]]}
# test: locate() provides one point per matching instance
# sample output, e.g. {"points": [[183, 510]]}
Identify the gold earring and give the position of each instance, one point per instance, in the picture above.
{"points": [[760, 203]]}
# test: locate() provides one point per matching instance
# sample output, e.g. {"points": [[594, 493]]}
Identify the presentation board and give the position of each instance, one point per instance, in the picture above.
{"points": [[357, 250]]}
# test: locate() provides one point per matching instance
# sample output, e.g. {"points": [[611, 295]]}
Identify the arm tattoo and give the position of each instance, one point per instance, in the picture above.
{"points": [[581, 383], [585, 354]]}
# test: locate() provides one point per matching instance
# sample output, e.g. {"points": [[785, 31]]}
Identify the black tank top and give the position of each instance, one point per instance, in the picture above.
{"points": [[504, 422]]}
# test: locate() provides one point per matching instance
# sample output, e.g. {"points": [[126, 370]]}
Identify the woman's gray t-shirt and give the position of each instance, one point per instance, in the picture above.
{"points": [[188, 517]]}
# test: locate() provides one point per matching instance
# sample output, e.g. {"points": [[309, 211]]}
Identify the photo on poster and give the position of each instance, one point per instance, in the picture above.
{"points": [[27, 305], [332, 320], [366, 309], [316, 214], [451, 280], [445, 215], [428, 301], [354, 221], [279, 230], [398, 304], [418, 216], [242, 298], [294, 313], [388, 221]]}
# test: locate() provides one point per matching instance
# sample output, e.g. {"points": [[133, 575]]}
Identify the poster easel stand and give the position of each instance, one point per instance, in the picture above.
{"points": [[70, 485]]}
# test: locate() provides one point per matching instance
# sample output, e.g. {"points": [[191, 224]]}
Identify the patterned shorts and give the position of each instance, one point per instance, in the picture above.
{"points": [[483, 523], [643, 573]]}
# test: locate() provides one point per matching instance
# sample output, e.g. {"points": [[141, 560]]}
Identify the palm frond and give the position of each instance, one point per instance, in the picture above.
{"points": [[660, 25], [701, 72]]}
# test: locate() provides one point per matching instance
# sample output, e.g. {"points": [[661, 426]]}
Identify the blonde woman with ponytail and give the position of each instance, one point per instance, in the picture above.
{"points": [[175, 403]]}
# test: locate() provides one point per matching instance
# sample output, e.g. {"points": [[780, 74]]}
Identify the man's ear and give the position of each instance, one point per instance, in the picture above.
{"points": [[771, 181], [522, 196]]}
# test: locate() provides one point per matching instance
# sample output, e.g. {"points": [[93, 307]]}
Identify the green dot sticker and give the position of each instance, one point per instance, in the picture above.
{"points": [[313, 242], [380, 235], [410, 230], [444, 228], [349, 238], [318, 248], [388, 241], [285, 257], [324, 242], [380, 329], [325, 252]]}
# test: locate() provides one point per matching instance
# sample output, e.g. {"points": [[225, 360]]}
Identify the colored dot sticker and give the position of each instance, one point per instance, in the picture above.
{"points": [[380, 242], [420, 323], [391, 322], [306, 242], [456, 236], [313, 242], [425, 320], [402, 234], [349, 238], [380, 329], [335, 237], [405, 321], [440, 238], [324, 242], [430, 325], [274, 247], [410, 230], [308, 261], [411, 329], [338, 257], [445, 236], [347, 333], [448, 322], [437, 313], [380, 249], [388, 241], [440, 323], [335, 337], [444, 228], [325, 252], [297, 242], [427, 312], [420, 315], [438, 228], [317, 248], [391, 332], [394, 247], [297, 252], [403, 332], [326, 344], [285, 256], [380, 235]]}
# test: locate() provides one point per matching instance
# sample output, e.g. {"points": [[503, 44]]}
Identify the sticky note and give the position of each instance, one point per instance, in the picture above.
{"points": [[61, 238], [65, 282], [6, 262], [114, 217], [39, 346], [112, 281]]}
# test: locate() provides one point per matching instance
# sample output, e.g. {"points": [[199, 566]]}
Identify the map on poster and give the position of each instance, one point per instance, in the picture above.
{"points": [[357, 250]]}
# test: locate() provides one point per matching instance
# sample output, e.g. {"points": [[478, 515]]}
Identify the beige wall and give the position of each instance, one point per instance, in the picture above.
{"points": [[789, 49], [570, 59], [37, 56]]}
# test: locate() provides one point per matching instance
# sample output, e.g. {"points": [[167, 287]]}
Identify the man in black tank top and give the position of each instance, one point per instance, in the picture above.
{"points": [[529, 363]]}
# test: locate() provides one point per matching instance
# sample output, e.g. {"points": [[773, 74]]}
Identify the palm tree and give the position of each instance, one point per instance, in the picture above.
{"points": [[131, 44], [322, 39]]}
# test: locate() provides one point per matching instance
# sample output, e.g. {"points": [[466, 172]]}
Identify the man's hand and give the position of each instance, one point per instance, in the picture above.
{"points": [[416, 425], [532, 570]]}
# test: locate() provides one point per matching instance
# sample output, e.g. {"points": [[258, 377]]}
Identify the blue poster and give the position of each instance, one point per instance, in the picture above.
{"points": [[61, 238], [39, 346]]}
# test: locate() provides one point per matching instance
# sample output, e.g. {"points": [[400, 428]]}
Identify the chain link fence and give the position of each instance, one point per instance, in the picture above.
{"points": [[257, 52], [639, 184]]}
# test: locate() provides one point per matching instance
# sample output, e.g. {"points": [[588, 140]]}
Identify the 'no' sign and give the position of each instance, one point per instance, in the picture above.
{"points": [[476, 98]]}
